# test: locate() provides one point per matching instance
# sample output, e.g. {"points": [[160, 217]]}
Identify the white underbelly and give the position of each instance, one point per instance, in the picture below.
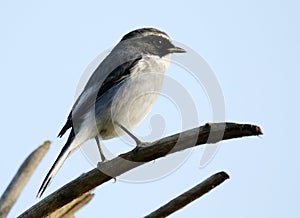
{"points": [[135, 100], [136, 97]]}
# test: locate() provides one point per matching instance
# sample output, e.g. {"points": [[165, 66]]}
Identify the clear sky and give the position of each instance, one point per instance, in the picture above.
{"points": [[251, 46]]}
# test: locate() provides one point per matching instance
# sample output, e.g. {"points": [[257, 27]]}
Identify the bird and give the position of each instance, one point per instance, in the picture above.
{"points": [[119, 94]]}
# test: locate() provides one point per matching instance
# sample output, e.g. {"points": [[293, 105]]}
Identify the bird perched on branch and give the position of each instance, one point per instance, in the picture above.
{"points": [[119, 93]]}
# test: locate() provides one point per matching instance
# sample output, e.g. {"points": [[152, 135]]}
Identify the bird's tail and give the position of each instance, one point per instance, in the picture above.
{"points": [[66, 150]]}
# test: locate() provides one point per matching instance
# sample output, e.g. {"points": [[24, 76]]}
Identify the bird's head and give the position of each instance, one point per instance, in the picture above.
{"points": [[152, 41]]}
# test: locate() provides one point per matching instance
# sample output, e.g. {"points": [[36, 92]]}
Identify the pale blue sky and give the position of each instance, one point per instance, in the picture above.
{"points": [[253, 48]]}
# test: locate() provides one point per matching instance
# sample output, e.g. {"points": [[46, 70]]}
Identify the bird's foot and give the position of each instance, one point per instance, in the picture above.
{"points": [[103, 158], [141, 144]]}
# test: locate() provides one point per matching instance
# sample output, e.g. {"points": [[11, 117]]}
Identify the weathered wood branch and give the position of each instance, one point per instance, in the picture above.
{"points": [[21, 178], [209, 133], [69, 210], [189, 196]]}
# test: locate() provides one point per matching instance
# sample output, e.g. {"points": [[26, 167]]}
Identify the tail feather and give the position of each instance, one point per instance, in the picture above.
{"points": [[57, 164], [67, 126]]}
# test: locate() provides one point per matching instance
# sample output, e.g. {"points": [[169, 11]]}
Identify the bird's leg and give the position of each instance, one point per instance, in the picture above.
{"points": [[138, 142], [103, 158]]}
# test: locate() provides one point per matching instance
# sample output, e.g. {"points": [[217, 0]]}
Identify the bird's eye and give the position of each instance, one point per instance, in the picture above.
{"points": [[158, 43]]}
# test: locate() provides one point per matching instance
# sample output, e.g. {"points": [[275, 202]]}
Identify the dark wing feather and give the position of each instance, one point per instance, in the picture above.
{"points": [[67, 126], [119, 74]]}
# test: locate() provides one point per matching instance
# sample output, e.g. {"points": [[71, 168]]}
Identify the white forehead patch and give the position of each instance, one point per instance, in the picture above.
{"points": [[156, 34]]}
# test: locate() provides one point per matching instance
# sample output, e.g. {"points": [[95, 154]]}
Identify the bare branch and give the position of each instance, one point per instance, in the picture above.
{"points": [[190, 195], [21, 178], [71, 208], [209, 133]]}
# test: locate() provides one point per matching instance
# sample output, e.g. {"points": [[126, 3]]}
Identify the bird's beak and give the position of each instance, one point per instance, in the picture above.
{"points": [[176, 50]]}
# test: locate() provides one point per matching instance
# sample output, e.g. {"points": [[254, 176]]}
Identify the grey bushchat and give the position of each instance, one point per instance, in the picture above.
{"points": [[119, 94]]}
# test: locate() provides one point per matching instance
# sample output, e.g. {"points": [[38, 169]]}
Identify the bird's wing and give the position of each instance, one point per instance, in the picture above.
{"points": [[84, 103], [94, 91]]}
